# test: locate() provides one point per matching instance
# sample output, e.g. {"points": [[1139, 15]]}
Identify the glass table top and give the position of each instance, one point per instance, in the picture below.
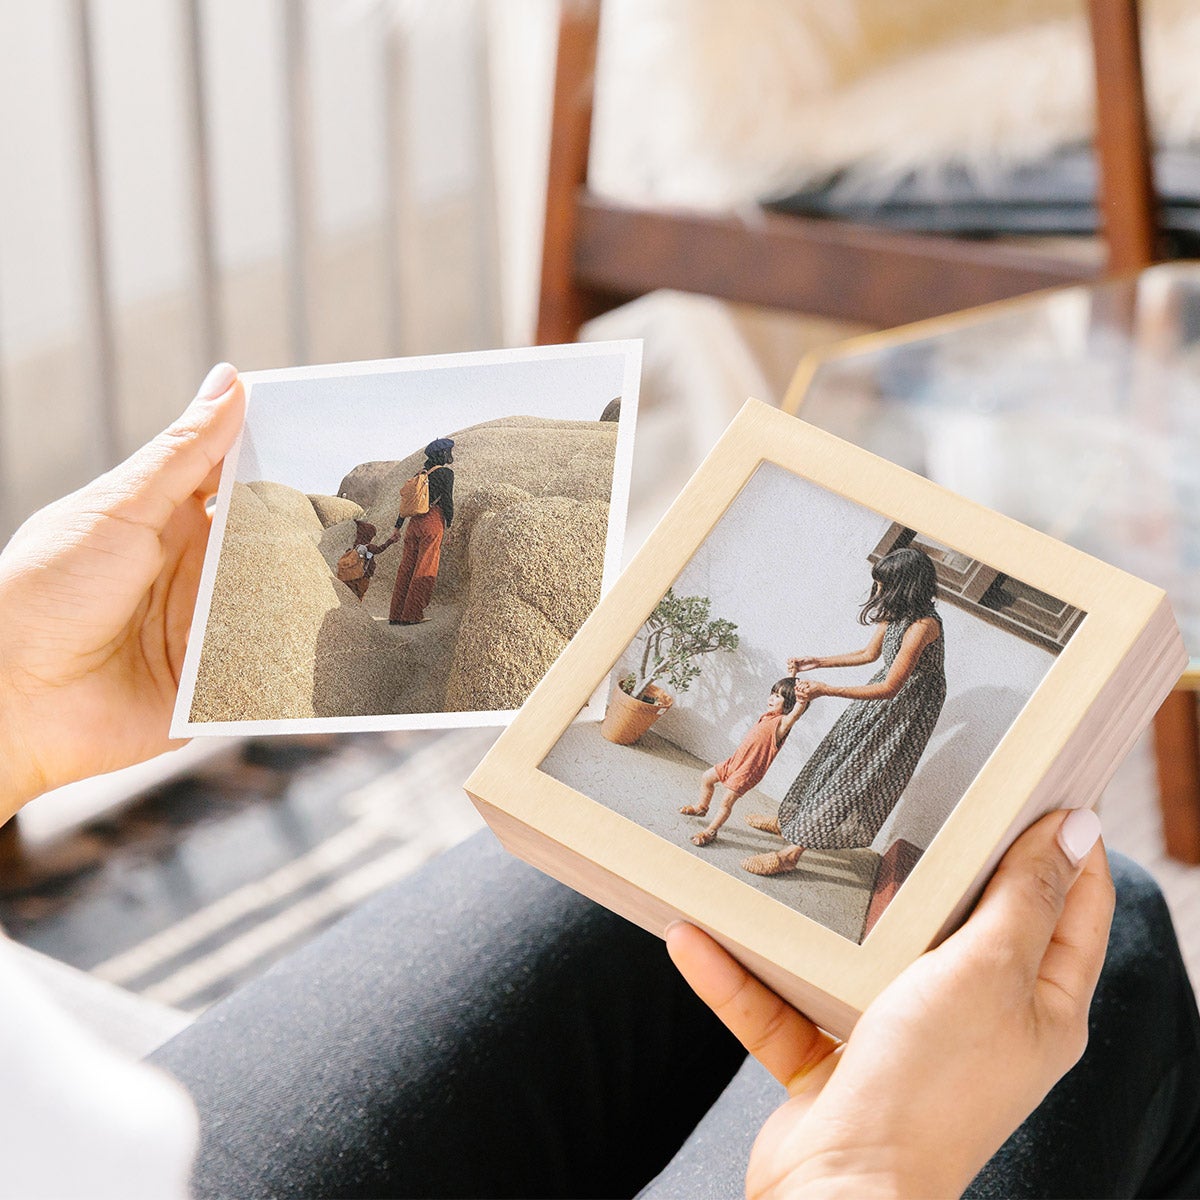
{"points": [[1075, 411]]}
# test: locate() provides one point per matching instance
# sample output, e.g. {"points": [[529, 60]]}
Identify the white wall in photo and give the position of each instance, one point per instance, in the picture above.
{"points": [[788, 563]]}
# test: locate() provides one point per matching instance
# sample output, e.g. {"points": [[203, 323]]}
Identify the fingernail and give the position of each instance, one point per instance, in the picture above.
{"points": [[1078, 834], [673, 925], [217, 382]]}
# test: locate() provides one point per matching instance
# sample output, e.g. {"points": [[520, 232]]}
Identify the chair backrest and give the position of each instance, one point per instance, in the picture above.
{"points": [[596, 254]]}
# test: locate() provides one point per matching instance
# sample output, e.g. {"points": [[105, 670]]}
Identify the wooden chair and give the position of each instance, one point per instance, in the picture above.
{"points": [[597, 254]]}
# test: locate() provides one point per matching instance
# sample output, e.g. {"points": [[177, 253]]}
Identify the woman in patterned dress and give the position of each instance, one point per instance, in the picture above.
{"points": [[851, 783]]}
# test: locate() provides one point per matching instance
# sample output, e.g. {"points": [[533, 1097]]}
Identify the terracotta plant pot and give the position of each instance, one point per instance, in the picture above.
{"points": [[626, 718]]}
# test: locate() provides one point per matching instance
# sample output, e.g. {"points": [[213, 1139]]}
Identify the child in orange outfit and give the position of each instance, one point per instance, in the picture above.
{"points": [[746, 766]]}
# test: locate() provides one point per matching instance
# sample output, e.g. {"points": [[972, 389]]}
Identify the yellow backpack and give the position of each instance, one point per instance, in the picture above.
{"points": [[414, 495]]}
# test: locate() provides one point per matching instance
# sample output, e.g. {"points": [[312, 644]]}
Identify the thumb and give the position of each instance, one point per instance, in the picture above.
{"points": [[1024, 902], [154, 481]]}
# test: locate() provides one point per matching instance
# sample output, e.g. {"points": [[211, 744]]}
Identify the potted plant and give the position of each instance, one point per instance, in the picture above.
{"points": [[679, 631]]}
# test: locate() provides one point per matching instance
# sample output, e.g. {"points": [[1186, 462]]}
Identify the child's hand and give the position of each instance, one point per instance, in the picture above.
{"points": [[811, 689]]}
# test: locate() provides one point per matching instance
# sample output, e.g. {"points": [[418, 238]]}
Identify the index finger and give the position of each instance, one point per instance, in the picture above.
{"points": [[185, 459], [789, 1045]]}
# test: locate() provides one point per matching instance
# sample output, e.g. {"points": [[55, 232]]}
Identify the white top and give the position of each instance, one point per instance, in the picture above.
{"points": [[76, 1117]]}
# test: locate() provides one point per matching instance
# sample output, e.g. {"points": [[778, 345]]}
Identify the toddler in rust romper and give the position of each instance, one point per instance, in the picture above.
{"points": [[746, 766]]}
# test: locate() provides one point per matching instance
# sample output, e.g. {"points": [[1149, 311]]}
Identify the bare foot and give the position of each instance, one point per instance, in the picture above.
{"points": [[694, 810], [774, 862], [704, 837], [763, 822]]}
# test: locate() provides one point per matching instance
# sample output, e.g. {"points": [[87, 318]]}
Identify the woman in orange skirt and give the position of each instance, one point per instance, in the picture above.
{"points": [[418, 570]]}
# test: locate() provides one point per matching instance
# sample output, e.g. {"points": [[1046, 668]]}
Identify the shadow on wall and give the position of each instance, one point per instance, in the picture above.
{"points": [[730, 695], [943, 776]]}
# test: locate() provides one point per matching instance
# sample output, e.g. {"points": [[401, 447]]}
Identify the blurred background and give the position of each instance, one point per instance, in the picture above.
{"points": [[283, 182], [269, 181]]}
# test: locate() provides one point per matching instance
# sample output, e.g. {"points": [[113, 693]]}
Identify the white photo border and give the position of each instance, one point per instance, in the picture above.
{"points": [[181, 724]]}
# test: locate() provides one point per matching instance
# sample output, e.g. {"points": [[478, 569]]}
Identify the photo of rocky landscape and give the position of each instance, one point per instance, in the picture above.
{"points": [[521, 568]]}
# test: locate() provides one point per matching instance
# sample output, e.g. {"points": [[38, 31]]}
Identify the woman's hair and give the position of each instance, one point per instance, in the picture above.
{"points": [[786, 688], [904, 588]]}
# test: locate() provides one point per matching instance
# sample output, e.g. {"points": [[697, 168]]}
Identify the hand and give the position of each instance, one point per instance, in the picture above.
{"points": [[952, 1055], [796, 665], [812, 688], [96, 599]]}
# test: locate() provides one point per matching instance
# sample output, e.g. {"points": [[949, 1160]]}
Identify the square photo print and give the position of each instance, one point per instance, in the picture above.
{"points": [[409, 543], [813, 696]]}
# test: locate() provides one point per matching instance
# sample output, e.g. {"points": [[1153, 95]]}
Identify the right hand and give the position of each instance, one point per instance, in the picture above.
{"points": [[952, 1056], [796, 665]]}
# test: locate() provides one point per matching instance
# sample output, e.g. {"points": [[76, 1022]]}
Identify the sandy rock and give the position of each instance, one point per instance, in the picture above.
{"points": [[505, 460], [332, 509], [577, 478], [361, 667], [362, 484], [534, 576], [521, 569], [271, 597], [287, 504], [284, 638], [518, 641]]}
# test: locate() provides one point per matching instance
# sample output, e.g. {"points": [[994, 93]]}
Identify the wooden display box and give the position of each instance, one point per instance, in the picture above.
{"points": [[1054, 663]]}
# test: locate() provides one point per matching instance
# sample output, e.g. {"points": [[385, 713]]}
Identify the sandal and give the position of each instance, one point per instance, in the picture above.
{"points": [[764, 823], [770, 863]]}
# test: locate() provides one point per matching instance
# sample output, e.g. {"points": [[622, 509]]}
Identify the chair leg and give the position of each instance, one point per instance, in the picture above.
{"points": [[1123, 148], [1177, 749], [563, 305]]}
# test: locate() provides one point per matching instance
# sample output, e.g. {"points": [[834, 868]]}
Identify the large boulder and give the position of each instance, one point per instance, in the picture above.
{"points": [[287, 504], [332, 509], [520, 571], [363, 483], [364, 668], [502, 462], [534, 576], [271, 596], [284, 638]]}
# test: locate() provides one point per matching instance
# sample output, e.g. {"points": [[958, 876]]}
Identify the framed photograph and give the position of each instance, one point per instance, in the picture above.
{"points": [[838, 693], [409, 543]]}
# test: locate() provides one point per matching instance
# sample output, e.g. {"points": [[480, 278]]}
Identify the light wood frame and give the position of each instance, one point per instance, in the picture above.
{"points": [[1049, 755]]}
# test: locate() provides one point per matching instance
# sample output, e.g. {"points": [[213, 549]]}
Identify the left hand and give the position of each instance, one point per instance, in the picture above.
{"points": [[812, 688], [96, 598]]}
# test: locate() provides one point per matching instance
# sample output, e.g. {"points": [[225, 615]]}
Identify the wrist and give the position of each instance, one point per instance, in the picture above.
{"points": [[865, 1171], [20, 781]]}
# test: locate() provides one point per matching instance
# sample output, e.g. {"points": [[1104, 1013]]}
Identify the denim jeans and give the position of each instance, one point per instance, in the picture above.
{"points": [[479, 1030]]}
